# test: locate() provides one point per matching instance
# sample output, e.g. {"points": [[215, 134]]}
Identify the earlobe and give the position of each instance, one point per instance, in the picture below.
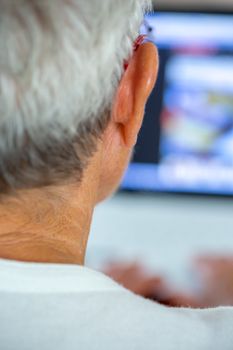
{"points": [[133, 92]]}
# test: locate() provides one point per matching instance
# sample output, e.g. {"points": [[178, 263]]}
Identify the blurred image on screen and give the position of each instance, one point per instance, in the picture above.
{"points": [[186, 143]]}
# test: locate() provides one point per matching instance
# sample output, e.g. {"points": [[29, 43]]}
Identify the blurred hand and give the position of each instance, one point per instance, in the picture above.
{"points": [[139, 280], [135, 277], [215, 274], [217, 280]]}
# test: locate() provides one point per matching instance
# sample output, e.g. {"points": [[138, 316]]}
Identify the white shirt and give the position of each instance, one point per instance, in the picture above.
{"points": [[64, 307]]}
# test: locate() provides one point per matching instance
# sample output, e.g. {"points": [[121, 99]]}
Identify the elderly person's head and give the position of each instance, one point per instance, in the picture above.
{"points": [[70, 113]]}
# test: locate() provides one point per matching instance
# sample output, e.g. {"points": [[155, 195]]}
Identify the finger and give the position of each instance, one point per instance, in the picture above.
{"points": [[213, 260]]}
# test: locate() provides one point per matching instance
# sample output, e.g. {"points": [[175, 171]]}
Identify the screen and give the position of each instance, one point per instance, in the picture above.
{"points": [[186, 142]]}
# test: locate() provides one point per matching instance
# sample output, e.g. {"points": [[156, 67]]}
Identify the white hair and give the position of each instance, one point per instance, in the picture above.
{"points": [[60, 65]]}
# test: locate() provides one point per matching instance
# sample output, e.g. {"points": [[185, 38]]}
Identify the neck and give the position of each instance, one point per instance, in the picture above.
{"points": [[49, 225]]}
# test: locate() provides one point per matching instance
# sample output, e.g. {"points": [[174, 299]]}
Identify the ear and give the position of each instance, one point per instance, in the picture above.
{"points": [[133, 92]]}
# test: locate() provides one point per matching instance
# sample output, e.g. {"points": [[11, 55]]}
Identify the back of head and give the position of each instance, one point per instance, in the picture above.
{"points": [[60, 65]]}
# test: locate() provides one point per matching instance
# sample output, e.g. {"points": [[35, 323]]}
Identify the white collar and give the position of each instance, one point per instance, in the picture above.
{"points": [[24, 277]]}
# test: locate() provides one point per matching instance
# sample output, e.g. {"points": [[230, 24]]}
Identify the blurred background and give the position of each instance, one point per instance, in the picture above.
{"points": [[176, 200]]}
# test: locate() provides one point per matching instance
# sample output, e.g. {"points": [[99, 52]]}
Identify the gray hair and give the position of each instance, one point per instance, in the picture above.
{"points": [[60, 65]]}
